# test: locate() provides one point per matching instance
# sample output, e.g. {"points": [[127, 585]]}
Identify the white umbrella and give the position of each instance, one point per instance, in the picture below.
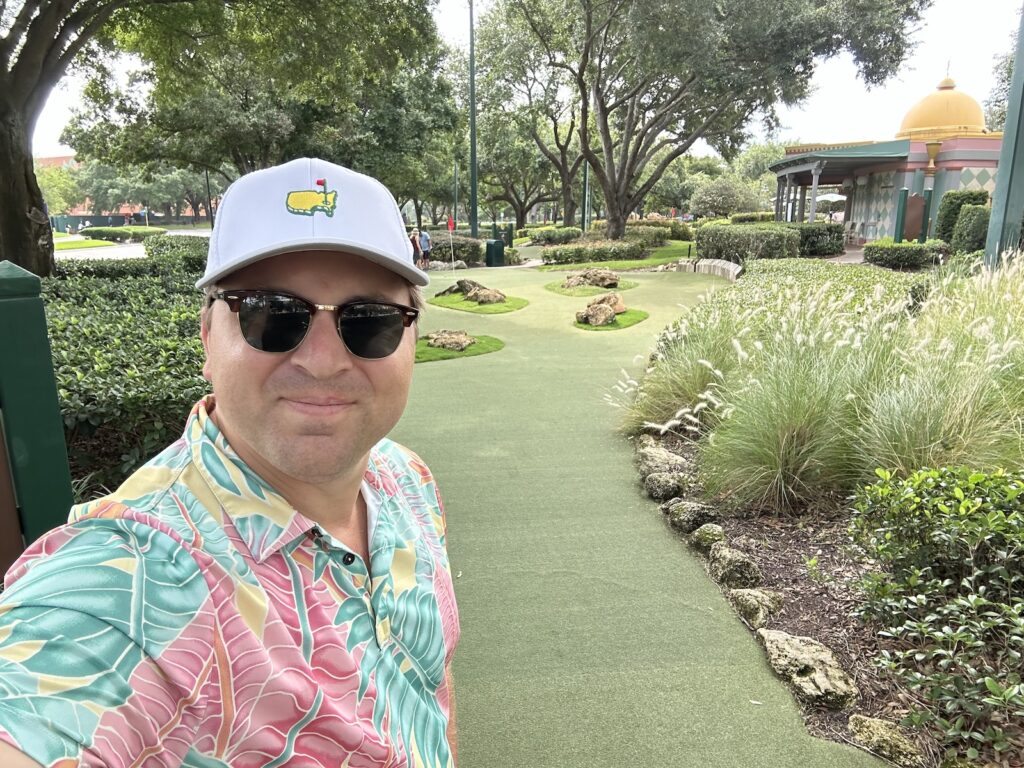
{"points": [[831, 197]]}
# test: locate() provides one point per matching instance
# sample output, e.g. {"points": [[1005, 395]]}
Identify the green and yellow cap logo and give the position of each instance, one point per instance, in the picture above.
{"points": [[306, 202]]}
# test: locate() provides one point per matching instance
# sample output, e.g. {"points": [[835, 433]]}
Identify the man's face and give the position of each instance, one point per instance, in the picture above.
{"points": [[315, 412]]}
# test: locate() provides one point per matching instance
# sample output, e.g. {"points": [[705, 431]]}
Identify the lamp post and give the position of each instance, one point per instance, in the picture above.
{"points": [[209, 207], [472, 129]]}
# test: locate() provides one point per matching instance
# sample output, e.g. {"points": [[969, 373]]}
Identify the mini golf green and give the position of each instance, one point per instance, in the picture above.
{"points": [[621, 321], [459, 302], [484, 345], [588, 290]]}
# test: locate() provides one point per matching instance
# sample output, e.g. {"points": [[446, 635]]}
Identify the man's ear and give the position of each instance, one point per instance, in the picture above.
{"points": [[204, 334]]}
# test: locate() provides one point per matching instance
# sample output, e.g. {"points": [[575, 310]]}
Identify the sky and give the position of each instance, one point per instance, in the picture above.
{"points": [[965, 35]]}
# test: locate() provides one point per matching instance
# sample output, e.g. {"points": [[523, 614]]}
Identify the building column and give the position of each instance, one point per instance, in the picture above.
{"points": [[787, 196], [815, 174], [778, 198], [802, 204]]}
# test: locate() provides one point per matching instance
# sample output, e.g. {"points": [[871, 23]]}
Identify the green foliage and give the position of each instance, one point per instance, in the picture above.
{"points": [[649, 237], [678, 230], [77, 245], [59, 188], [483, 345], [952, 545], [187, 253], [949, 210], [622, 320], [468, 249], [122, 234], [599, 250], [752, 217], [820, 238], [555, 235], [739, 244], [971, 229], [908, 255], [722, 196]]}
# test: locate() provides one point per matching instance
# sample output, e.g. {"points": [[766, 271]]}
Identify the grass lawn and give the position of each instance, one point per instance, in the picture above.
{"points": [[59, 235], [203, 226], [458, 301], [520, 241], [588, 290], [626, 319], [666, 254], [74, 245], [484, 344]]}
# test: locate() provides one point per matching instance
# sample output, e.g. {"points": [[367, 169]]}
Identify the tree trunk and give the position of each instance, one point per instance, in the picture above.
{"points": [[25, 235], [520, 218], [569, 206], [616, 229]]}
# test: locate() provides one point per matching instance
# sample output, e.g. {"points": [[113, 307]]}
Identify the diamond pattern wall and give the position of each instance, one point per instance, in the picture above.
{"points": [[978, 178]]}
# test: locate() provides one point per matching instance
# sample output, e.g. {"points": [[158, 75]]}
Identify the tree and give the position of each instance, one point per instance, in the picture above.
{"points": [[512, 168], [752, 165], [722, 196], [995, 104], [645, 91], [326, 41], [60, 191], [680, 179]]}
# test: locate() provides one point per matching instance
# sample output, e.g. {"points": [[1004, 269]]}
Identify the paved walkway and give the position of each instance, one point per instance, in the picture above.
{"points": [[592, 637]]}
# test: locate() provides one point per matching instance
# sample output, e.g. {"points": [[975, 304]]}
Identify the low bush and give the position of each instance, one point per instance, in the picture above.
{"points": [[752, 217], [951, 542], [130, 234], [555, 235], [949, 210], [649, 237], [819, 238], [885, 252], [739, 244], [678, 230], [600, 250], [187, 253], [467, 249], [971, 229]]}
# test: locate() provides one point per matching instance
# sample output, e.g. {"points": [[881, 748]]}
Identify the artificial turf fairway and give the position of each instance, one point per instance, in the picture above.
{"points": [[591, 637]]}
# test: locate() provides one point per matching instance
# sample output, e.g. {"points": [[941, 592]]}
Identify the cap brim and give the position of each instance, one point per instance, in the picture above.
{"points": [[412, 274]]}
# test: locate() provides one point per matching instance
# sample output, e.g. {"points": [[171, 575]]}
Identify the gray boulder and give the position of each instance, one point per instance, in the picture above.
{"points": [[461, 286], [810, 669], [651, 457], [755, 606], [732, 568], [613, 300], [663, 485], [485, 296], [706, 536], [602, 278], [885, 739], [440, 265], [454, 340], [597, 314], [688, 516]]}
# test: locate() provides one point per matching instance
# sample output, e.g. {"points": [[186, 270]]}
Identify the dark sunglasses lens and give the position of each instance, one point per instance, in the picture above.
{"points": [[371, 331], [273, 323]]}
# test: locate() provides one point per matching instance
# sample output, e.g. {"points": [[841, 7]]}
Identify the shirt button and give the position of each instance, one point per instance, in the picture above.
{"points": [[348, 559]]}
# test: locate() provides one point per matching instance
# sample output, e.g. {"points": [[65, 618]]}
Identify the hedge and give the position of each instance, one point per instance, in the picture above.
{"points": [[906, 255], [678, 230], [819, 238], [601, 250], [555, 235], [753, 241], [649, 237], [753, 217], [971, 229], [949, 210], [131, 234]]}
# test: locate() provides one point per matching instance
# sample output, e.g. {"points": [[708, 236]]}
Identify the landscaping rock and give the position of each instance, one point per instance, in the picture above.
{"points": [[602, 278], [885, 739], [706, 536], [651, 457], [613, 300], [810, 669], [455, 340], [755, 606], [461, 286], [688, 516], [485, 296], [597, 314], [732, 568], [662, 485], [438, 265]]}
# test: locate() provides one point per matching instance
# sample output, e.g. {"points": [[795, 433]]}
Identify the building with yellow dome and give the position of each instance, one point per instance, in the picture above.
{"points": [[942, 145]]}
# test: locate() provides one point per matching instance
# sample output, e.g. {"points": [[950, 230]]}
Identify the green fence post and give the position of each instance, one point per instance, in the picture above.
{"points": [[28, 401], [926, 216], [901, 214]]}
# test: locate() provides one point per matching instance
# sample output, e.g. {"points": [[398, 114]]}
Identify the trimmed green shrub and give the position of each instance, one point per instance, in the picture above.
{"points": [[949, 210], [753, 241], [187, 252], [555, 235], [819, 238], [130, 234], [649, 237], [467, 249], [601, 250], [678, 230], [885, 252], [752, 217], [952, 544], [971, 229]]}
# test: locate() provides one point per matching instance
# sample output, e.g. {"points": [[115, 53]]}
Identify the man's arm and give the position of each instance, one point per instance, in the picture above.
{"points": [[452, 730], [12, 758]]}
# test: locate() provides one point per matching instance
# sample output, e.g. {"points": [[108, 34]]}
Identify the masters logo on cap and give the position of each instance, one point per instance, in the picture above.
{"points": [[306, 202]]}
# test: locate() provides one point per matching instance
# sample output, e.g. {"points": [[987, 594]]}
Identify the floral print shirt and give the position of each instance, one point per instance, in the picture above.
{"points": [[195, 618]]}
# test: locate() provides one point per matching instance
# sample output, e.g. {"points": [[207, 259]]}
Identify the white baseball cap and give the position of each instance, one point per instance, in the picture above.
{"points": [[304, 205]]}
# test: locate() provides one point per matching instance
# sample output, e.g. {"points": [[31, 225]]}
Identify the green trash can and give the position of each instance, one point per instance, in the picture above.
{"points": [[495, 253]]}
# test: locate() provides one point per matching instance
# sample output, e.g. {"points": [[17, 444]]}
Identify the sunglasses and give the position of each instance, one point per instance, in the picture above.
{"points": [[272, 321]]}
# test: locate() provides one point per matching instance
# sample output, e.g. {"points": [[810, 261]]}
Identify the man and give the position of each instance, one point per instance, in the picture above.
{"points": [[273, 589], [424, 249]]}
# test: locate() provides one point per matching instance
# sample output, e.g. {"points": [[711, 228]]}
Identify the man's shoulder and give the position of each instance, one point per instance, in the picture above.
{"points": [[397, 458]]}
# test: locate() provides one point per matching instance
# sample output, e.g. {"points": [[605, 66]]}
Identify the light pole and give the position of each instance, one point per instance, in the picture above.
{"points": [[472, 129]]}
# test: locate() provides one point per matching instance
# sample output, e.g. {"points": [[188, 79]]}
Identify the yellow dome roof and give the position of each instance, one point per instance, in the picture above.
{"points": [[942, 115]]}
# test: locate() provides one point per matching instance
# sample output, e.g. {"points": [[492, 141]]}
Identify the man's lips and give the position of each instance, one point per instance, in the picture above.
{"points": [[317, 406]]}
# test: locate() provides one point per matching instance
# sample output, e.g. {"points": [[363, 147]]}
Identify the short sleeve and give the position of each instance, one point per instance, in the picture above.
{"points": [[106, 631]]}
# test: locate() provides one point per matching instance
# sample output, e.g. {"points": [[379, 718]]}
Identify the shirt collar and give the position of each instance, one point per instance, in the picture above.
{"points": [[265, 521]]}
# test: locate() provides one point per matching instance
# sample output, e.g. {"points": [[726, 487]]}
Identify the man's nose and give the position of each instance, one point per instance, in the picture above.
{"points": [[322, 352]]}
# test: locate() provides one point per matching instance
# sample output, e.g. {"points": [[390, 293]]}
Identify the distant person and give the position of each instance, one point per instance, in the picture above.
{"points": [[67, 229], [417, 252], [127, 220], [110, 221], [425, 248], [87, 224]]}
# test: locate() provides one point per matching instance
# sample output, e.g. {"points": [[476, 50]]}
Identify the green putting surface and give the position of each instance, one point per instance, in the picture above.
{"points": [[591, 636]]}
